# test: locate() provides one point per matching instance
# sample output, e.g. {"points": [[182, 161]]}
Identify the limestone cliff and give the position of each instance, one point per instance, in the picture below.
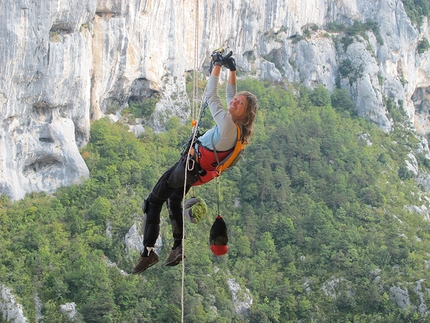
{"points": [[65, 63]]}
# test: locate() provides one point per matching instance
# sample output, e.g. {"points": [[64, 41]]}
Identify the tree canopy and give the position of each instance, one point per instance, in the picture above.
{"points": [[318, 212]]}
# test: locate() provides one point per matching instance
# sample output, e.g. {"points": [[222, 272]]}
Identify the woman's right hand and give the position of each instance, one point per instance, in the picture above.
{"points": [[217, 59]]}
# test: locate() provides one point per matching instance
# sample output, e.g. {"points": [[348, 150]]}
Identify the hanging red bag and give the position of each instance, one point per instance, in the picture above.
{"points": [[218, 237]]}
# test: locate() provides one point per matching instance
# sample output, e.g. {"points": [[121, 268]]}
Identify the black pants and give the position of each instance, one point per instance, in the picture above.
{"points": [[161, 193]]}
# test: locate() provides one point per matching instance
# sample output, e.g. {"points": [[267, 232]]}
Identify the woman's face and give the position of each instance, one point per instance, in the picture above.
{"points": [[237, 107]]}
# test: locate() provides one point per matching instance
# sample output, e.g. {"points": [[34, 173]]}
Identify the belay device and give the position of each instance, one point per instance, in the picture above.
{"points": [[218, 237]]}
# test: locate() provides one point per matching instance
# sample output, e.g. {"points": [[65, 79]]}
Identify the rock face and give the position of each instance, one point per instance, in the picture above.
{"points": [[11, 310], [45, 87], [65, 63], [242, 300]]}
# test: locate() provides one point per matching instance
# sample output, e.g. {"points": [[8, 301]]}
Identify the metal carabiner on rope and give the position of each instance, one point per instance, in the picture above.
{"points": [[219, 50], [191, 162]]}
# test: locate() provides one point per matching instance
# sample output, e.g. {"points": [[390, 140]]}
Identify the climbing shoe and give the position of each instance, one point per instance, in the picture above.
{"points": [[145, 262], [175, 257]]}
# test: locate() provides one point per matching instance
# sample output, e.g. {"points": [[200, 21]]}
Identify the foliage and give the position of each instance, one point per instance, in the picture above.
{"points": [[342, 102], [416, 10], [317, 211], [357, 28], [320, 96], [423, 46], [142, 108], [347, 69]]}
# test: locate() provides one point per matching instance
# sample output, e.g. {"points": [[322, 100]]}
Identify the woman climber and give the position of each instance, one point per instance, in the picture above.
{"points": [[212, 146]]}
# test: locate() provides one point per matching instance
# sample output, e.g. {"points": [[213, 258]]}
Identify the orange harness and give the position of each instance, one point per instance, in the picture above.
{"points": [[213, 162]]}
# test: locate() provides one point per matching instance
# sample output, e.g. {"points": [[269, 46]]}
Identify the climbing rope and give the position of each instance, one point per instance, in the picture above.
{"points": [[197, 113], [219, 19], [188, 154], [195, 131], [218, 195], [196, 59]]}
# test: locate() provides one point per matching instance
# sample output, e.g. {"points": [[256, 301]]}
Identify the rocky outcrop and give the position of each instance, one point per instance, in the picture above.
{"points": [[45, 82], [69, 309], [10, 309], [65, 64], [242, 300]]}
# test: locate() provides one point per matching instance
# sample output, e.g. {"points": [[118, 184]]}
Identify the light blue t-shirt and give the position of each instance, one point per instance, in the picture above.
{"points": [[224, 134]]}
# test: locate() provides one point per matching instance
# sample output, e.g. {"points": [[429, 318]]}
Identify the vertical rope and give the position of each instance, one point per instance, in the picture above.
{"points": [[196, 59], [192, 144], [182, 245], [218, 195], [219, 23], [194, 117]]}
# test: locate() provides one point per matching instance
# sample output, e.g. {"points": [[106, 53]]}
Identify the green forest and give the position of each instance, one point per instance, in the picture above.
{"points": [[318, 212]]}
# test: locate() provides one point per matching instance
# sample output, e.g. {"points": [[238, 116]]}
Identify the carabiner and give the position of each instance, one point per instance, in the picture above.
{"points": [[190, 168]]}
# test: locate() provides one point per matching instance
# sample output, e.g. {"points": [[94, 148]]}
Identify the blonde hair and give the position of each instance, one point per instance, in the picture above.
{"points": [[247, 123]]}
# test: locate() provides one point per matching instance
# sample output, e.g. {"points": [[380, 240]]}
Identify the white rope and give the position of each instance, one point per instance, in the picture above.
{"points": [[196, 59], [219, 19], [195, 130], [196, 117], [193, 141]]}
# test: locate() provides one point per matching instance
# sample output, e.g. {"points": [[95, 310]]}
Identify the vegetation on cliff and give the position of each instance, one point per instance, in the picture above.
{"points": [[318, 211]]}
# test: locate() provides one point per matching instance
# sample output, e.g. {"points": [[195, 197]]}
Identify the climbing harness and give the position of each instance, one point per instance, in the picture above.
{"points": [[231, 159]]}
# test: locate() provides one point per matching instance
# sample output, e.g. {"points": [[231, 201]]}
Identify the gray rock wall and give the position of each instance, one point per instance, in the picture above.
{"points": [[10, 309], [63, 64], [45, 82]]}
